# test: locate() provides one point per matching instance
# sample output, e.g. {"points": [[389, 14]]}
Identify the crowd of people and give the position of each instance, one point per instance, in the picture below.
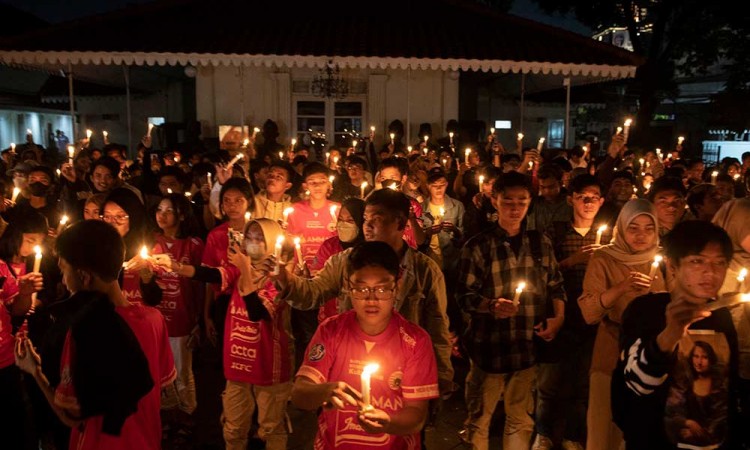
{"points": [[597, 297]]}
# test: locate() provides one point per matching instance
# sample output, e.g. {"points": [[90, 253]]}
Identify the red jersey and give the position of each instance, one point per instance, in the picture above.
{"points": [[181, 296], [408, 230], [340, 349], [215, 253], [142, 429], [329, 248], [131, 286], [312, 226], [8, 294], [255, 352]]}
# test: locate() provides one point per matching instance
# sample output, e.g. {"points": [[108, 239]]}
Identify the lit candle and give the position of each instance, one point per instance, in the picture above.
{"points": [[188, 194], [277, 253], [372, 131], [450, 136], [328, 158], [294, 142], [481, 181], [393, 186], [71, 153], [393, 136], [467, 153], [626, 132], [519, 291], [362, 188], [247, 216], [281, 155], [641, 161], [619, 130], [256, 130], [599, 233], [520, 137], [680, 140], [409, 148], [88, 134], [246, 142], [144, 252], [741, 279], [16, 191], [659, 155], [714, 174], [12, 147], [426, 138], [367, 372], [105, 134], [655, 266], [540, 144], [37, 265], [736, 176], [286, 213], [728, 300], [331, 179], [445, 163], [237, 157], [334, 217], [492, 131], [61, 225], [439, 219], [354, 143], [169, 190], [531, 165], [28, 132], [208, 178], [335, 160], [150, 127], [298, 252], [58, 172]]}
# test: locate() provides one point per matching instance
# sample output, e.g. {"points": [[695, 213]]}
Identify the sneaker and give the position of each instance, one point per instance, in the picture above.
{"points": [[572, 445], [542, 443]]}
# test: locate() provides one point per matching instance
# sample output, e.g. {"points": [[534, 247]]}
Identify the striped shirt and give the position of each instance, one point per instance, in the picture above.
{"points": [[490, 269]]}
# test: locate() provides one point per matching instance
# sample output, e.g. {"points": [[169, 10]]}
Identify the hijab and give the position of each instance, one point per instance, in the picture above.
{"points": [[356, 207], [618, 249]]}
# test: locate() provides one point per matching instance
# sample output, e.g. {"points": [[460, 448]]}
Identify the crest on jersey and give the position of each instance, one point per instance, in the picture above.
{"points": [[394, 381], [317, 352]]}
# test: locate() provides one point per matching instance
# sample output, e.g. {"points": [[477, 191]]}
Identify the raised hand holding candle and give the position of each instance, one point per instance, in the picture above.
{"points": [[519, 138], [626, 130], [71, 153], [63, 221], [519, 291], [540, 144], [234, 160], [277, 253], [655, 266], [599, 233], [150, 127], [298, 252], [393, 136], [16, 191], [741, 279], [367, 372], [467, 153], [680, 140], [362, 188]]}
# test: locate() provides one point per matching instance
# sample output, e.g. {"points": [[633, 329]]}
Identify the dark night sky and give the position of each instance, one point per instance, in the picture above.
{"points": [[62, 10]]}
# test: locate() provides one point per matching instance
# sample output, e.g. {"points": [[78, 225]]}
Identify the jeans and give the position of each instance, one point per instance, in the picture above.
{"points": [[484, 391], [181, 393]]}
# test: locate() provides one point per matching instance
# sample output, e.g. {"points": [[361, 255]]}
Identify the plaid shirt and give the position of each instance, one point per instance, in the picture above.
{"points": [[488, 270]]}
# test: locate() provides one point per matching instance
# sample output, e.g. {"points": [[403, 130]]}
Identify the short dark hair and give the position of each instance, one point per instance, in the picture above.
{"points": [[395, 202], [581, 182], [508, 157], [12, 238], [697, 195], [547, 171], [624, 174], [664, 184], [81, 246], [511, 180], [745, 155], [356, 160], [692, 236], [490, 173], [397, 163], [283, 165], [172, 171], [314, 168], [435, 174], [374, 254], [108, 162], [577, 151]]}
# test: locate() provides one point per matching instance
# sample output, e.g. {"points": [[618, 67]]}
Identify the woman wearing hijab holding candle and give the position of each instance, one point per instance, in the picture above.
{"points": [[616, 275]]}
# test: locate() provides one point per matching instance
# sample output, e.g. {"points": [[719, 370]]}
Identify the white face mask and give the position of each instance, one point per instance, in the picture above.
{"points": [[254, 251], [348, 232]]}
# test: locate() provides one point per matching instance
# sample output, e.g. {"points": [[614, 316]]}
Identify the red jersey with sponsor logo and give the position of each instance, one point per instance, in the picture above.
{"points": [[131, 286], [312, 226], [340, 349], [181, 296], [255, 352], [215, 253], [8, 294], [142, 429]]}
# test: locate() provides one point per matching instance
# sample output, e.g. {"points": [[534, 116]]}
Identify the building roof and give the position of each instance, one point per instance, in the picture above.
{"points": [[426, 34]]}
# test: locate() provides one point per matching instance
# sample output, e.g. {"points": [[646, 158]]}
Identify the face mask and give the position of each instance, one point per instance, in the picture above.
{"points": [[347, 231], [38, 189], [254, 251]]}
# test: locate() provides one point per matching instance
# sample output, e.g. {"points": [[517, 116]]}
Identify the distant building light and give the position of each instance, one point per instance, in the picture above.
{"points": [[503, 124]]}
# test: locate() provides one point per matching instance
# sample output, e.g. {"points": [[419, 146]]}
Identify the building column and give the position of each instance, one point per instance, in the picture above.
{"points": [[376, 106]]}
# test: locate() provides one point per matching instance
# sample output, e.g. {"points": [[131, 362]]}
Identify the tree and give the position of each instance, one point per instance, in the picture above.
{"points": [[687, 38]]}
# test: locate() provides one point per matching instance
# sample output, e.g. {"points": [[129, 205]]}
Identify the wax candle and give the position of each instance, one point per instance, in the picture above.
{"points": [[393, 136], [144, 252], [367, 372], [234, 160], [150, 127], [599, 233], [445, 163], [247, 216], [741, 279], [281, 155], [16, 191], [294, 142], [372, 131], [277, 253], [728, 300], [334, 217], [88, 134], [37, 265], [409, 148], [619, 130], [256, 130], [71, 153], [450, 136], [208, 179], [714, 174], [540, 144], [655, 266], [58, 172], [481, 181], [426, 138], [331, 179], [354, 143], [680, 140], [626, 131], [362, 188], [467, 153], [298, 251], [12, 147], [61, 226], [328, 158], [520, 137], [519, 291]]}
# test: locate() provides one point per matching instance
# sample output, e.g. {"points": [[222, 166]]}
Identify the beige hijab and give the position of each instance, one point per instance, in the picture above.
{"points": [[618, 248]]}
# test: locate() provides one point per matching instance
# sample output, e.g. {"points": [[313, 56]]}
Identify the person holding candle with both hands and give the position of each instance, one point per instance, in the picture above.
{"points": [[388, 408], [617, 273]]}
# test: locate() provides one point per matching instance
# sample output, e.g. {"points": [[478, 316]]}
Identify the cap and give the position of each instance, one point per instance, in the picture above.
{"points": [[22, 167]]}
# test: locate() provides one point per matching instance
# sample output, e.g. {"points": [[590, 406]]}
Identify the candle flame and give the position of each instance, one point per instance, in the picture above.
{"points": [[467, 151], [294, 142], [541, 140], [602, 229], [247, 216], [492, 131], [628, 122], [393, 135], [520, 136], [281, 155], [409, 148], [680, 140], [280, 240], [742, 275], [288, 211], [393, 186], [369, 369], [521, 287], [333, 210], [297, 242], [256, 130], [481, 180], [442, 211], [38, 251], [169, 190], [450, 134], [745, 298], [246, 142], [188, 194], [144, 252], [63, 220], [372, 128], [715, 173], [71, 151], [88, 134], [363, 185], [331, 178], [28, 131]]}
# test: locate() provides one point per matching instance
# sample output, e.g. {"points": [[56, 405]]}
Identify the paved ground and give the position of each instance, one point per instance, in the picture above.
{"points": [[207, 435]]}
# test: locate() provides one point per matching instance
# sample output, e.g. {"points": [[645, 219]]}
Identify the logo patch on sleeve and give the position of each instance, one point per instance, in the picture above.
{"points": [[317, 352]]}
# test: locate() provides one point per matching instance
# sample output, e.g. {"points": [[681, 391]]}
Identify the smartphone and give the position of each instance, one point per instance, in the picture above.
{"points": [[235, 237]]}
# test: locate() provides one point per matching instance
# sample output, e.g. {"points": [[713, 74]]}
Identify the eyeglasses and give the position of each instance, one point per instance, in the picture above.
{"points": [[381, 293], [119, 220]]}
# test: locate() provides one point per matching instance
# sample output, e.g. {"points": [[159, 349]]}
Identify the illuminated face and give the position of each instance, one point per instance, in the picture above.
{"points": [[103, 179], [373, 308], [117, 217], [700, 360], [586, 203], [640, 234], [170, 183], [318, 185], [379, 224], [701, 275], [234, 204], [91, 211], [549, 188], [28, 242], [670, 206], [437, 188], [512, 205], [165, 215]]}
